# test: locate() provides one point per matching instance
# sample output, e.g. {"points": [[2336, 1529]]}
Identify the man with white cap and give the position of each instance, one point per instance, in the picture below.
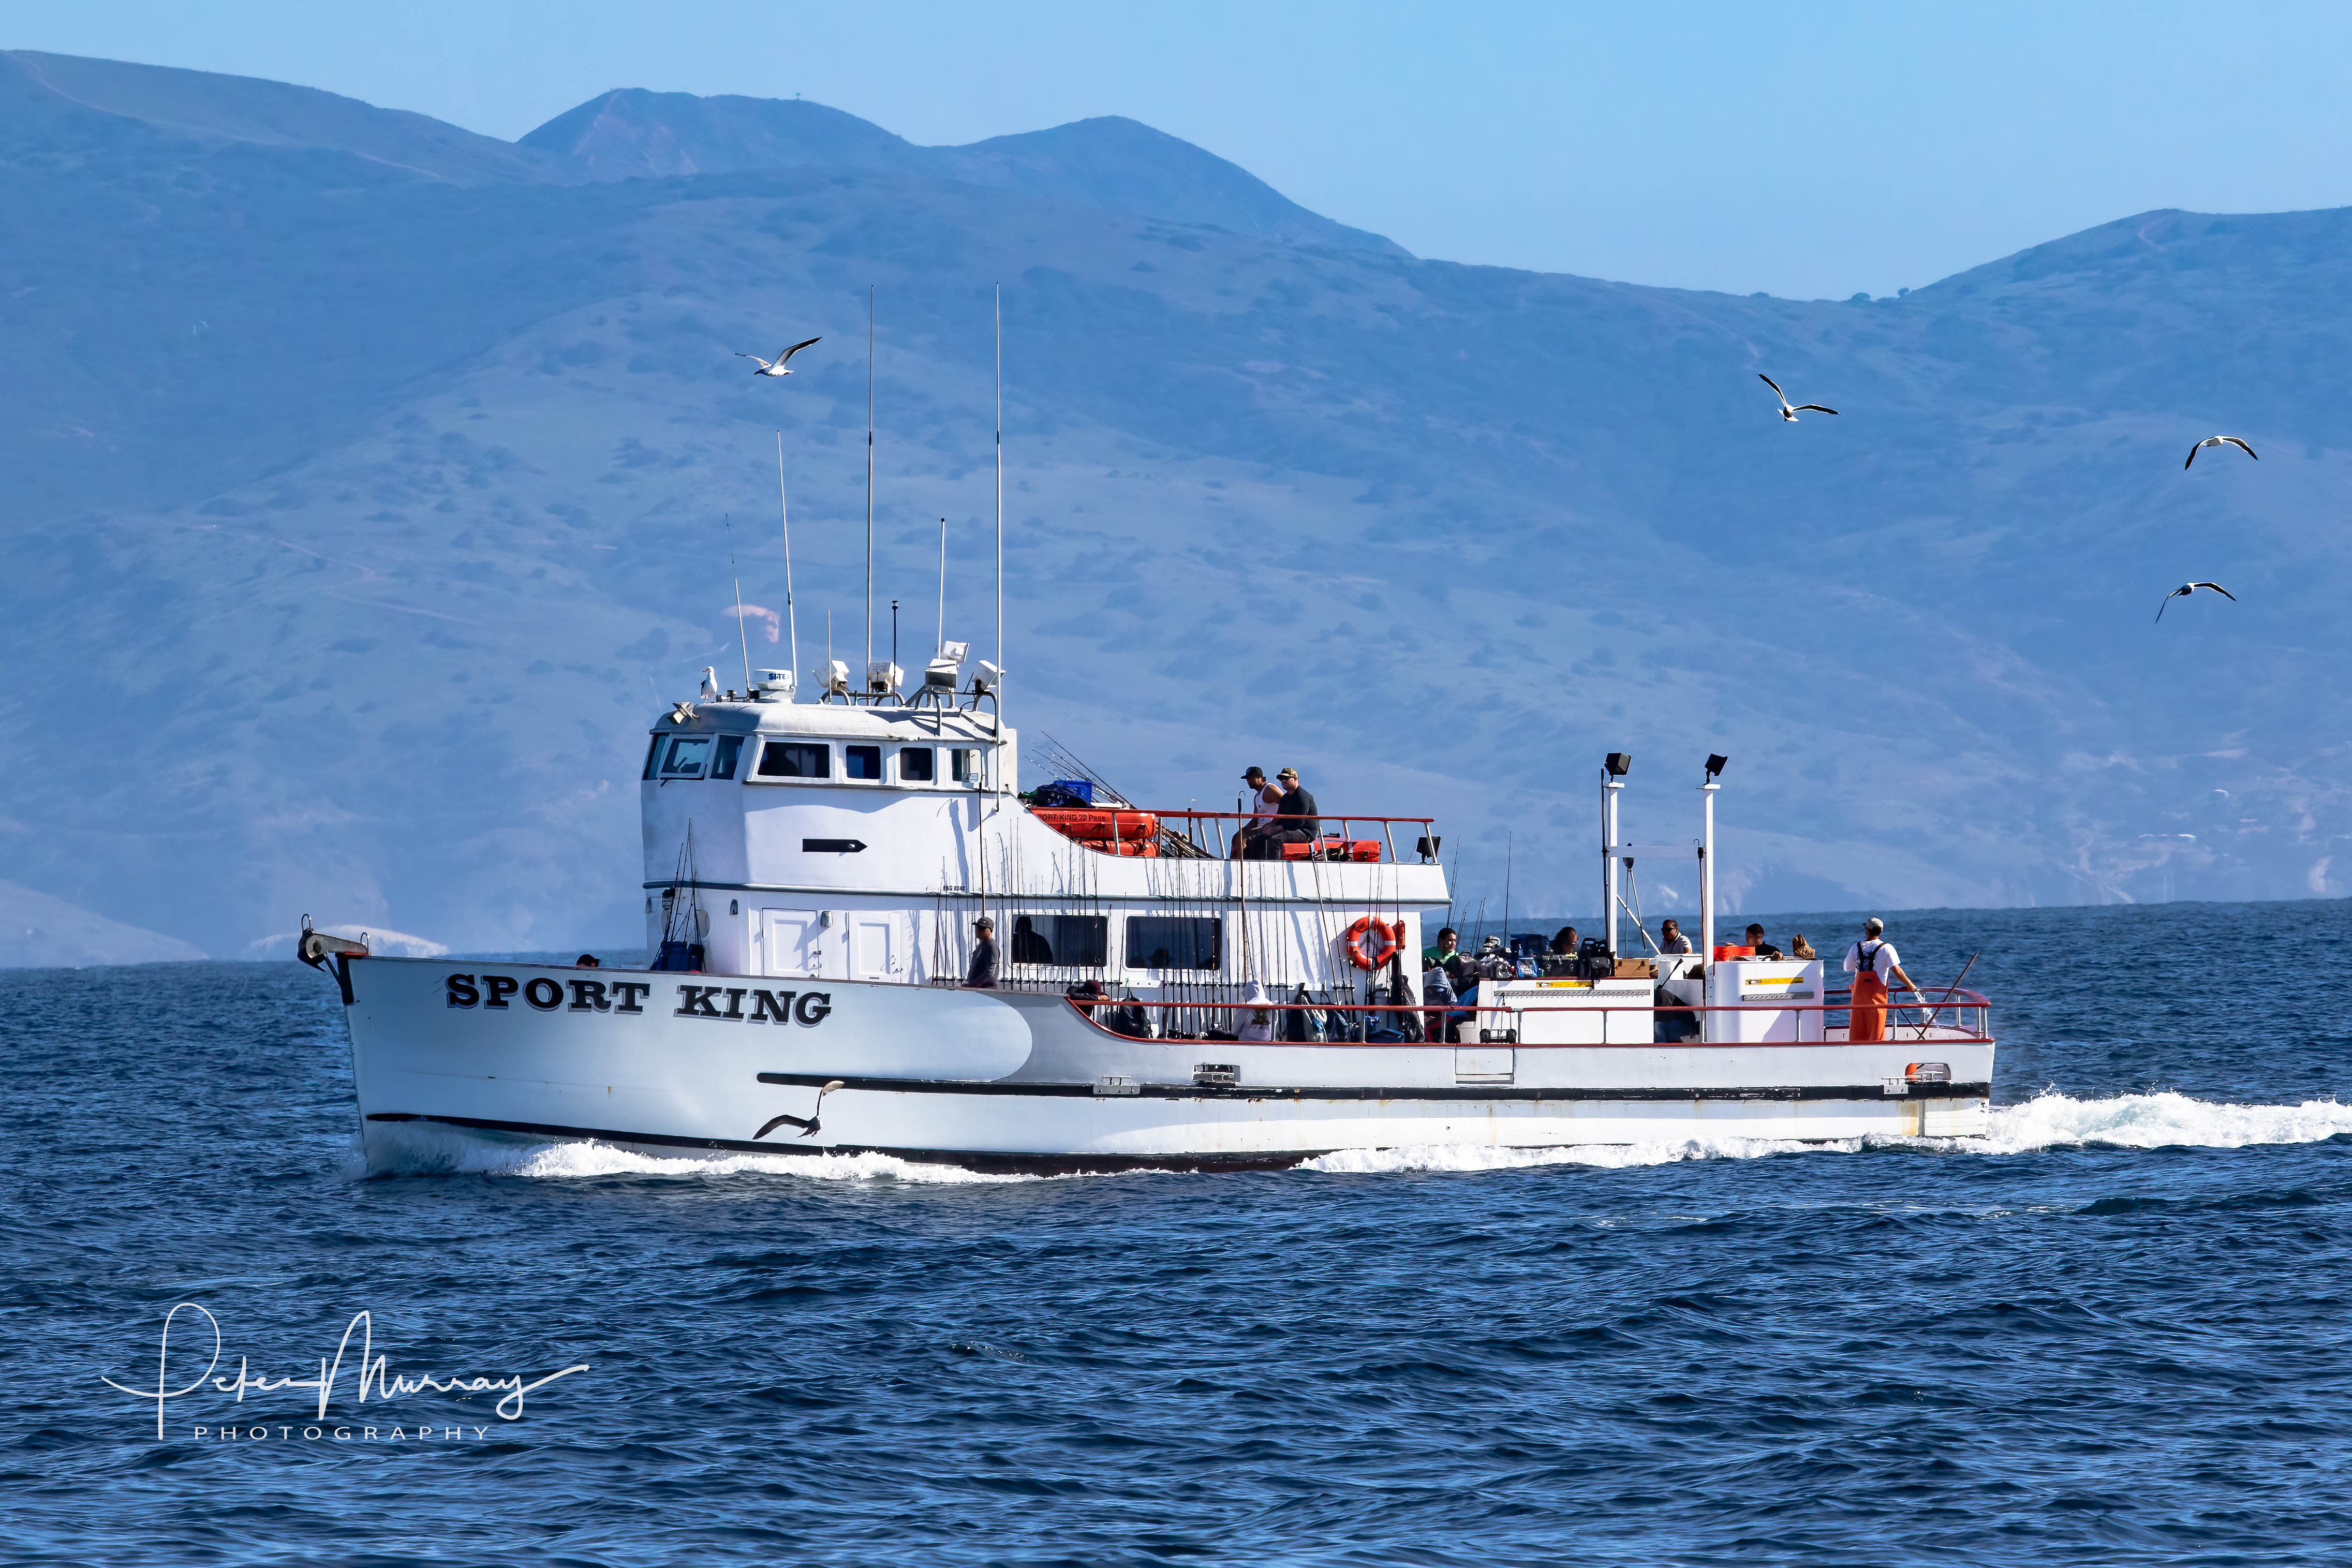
{"points": [[1871, 962]]}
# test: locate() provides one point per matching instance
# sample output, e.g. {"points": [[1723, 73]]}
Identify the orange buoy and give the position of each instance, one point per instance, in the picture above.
{"points": [[1372, 942]]}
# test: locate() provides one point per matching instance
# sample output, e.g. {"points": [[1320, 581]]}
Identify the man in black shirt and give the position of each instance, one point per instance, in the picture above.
{"points": [[1763, 949], [1295, 820], [982, 975]]}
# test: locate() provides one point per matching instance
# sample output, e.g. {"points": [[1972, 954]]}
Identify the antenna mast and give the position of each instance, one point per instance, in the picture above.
{"points": [[784, 505], [1000, 509], [942, 641], [741, 636], [869, 478]]}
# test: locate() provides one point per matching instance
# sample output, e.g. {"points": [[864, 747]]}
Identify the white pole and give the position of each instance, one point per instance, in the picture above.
{"points": [[1707, 869], [869, 481], [1707, 899], [791, 615], [1608, 788]]}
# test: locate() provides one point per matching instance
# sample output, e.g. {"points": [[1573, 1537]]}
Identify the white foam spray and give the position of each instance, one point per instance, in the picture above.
{"points": [[2049, 1120]]}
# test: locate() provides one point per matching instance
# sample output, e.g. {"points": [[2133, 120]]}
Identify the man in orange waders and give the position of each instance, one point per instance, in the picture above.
{"points": [[1870, 962]]}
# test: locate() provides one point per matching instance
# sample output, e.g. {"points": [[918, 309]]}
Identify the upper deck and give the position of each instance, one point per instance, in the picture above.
{"points": [[914, 802]]}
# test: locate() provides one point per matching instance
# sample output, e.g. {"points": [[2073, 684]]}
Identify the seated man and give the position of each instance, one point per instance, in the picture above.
{"points": [[1671, 938], [1295, 820], [1559, 958], [1446, 947], [1763, 949], [1261, 800]]}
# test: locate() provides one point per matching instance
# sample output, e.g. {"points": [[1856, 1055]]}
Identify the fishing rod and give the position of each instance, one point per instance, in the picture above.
{"points": [[1949, 992]]}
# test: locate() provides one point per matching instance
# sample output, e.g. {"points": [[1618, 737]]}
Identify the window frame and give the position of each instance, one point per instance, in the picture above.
{"points": [[1216, 965], [726, 758], [930, 763], [758, 774], [669, 773], [849, 759], [1054, 943]]}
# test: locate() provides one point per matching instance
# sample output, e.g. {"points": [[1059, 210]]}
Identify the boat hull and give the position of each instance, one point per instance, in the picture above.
{"points": [[665, 1062]]}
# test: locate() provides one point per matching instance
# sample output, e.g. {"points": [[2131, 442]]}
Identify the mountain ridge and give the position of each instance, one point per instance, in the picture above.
{"points": [[426, 472]]}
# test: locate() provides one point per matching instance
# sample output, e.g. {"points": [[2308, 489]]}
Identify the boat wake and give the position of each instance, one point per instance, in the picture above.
{"points": [[2049, 1120], [424, 1151]]}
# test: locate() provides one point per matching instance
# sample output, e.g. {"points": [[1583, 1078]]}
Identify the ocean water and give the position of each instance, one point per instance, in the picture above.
{"points": [[2114, 1332]]}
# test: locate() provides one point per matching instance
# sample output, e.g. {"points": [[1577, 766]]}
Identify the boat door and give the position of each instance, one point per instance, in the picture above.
{"points": [[877, 950], [803, 944]]}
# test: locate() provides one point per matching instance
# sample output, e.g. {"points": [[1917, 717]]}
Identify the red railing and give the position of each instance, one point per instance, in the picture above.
{"points": [[1323, 818], [1955, 1001]]}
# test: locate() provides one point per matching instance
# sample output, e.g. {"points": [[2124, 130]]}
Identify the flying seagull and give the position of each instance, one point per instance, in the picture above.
{"points": [[776, 367], [811, 1121], [2188, 588], [2221, 441], [1786, 412]]}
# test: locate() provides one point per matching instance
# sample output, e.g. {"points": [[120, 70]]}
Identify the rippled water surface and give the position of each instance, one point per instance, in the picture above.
{"points": [[2113, 1333]]}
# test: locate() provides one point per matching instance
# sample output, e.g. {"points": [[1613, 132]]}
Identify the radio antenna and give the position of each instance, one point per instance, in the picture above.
{"points": [[869, 475], [784, 505], [942, 641], [1000, 509], [741, 636]]}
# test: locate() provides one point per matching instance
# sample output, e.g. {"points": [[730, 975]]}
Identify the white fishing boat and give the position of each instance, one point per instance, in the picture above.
{"points": [[813, 873]]}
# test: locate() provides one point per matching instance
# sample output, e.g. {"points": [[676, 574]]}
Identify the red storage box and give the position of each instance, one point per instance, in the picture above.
{"points": [[1724, 951]]}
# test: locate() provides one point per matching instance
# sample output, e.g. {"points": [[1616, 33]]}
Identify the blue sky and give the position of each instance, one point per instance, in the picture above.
{"points": [[1812, 151]]}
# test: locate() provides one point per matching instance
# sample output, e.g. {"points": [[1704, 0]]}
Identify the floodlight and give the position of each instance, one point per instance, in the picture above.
{"points": [[986, 677], [1716, 763], [837, 677], [954, 652], [1619, 764], [882, 678]]}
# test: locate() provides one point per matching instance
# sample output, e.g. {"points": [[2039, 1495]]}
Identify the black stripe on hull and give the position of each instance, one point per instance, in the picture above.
{"points": [[970, 1160], [1009, 1164], [1471, 1091]]}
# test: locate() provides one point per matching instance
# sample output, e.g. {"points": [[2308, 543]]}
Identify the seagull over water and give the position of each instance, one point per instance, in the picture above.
{"points": [[2188, 588], [775, 366], [2221, 441], [1786, 412]]}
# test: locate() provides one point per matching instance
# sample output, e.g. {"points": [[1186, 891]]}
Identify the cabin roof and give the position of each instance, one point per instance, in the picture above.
{"points": [[833, 721]]}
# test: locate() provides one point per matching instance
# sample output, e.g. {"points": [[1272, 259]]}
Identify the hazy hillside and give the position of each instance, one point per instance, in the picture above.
{"points": [[367, 478]]}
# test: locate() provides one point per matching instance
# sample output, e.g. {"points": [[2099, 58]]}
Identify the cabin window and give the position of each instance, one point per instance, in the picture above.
{"points": [[686, 755], [722, 763], [963, 765], [861, 762], [1076, 940], [653, 757], [914, 764], [1171, 941], [794, 759]]}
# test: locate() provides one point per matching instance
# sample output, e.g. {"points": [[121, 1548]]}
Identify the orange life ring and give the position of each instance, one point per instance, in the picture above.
{"points": [[1386, 941]]}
